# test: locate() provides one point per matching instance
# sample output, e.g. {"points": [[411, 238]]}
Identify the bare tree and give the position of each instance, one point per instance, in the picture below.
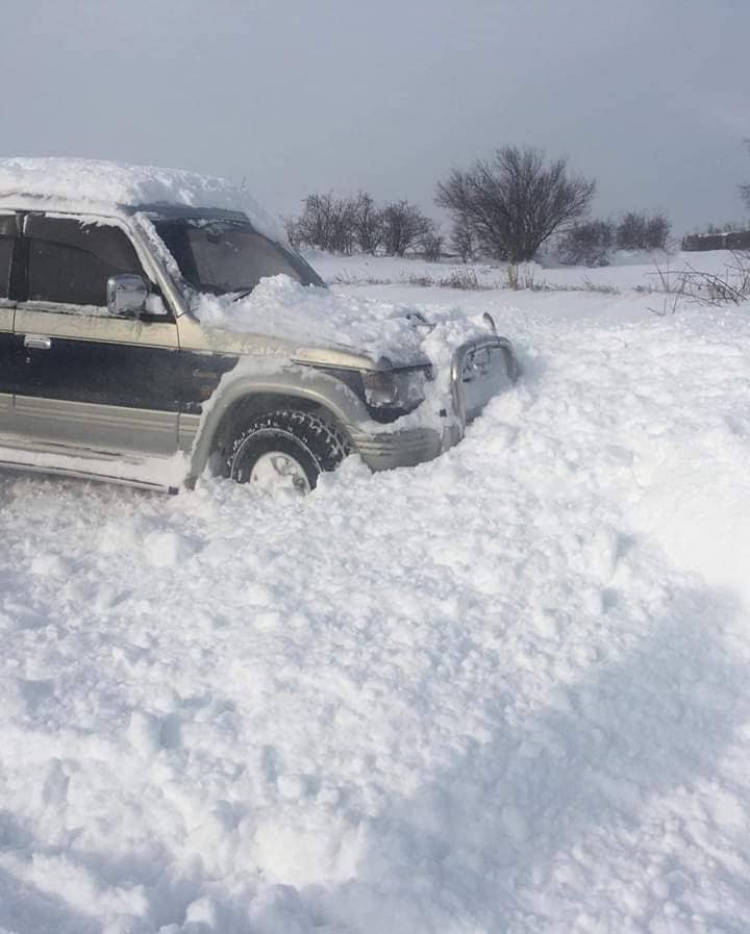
{"points": [[328, 223], [745, 188], [403, 225], [340, 225], [587, 244], [431, 243], [368, 223], [658, 230], [640, 231], [515, 201], [291, 227], [464, 239]]}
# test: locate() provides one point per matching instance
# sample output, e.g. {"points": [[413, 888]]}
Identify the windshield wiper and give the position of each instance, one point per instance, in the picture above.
{"points": [[238, 296]]}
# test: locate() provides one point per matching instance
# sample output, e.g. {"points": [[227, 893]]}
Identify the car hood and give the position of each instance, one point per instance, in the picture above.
{"points": [[315, 325]]}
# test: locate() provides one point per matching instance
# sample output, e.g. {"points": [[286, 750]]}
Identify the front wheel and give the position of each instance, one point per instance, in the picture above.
{"points": [[285, 450]]}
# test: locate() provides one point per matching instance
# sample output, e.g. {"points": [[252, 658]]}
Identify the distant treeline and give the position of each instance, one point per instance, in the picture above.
{"points": [[507, 207]]}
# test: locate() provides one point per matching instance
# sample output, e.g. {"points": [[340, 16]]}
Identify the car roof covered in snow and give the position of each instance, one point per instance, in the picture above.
{"points": [[79, 184]]}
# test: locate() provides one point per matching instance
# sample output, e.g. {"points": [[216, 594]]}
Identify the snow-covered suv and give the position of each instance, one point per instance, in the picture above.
{"points": [[154, 322]]}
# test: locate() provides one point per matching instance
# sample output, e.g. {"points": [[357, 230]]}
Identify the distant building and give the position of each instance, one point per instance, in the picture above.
{"points": [[727, 240]]}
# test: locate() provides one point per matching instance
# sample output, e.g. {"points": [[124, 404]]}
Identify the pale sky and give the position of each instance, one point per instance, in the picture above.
{"points": [[650, 97]]}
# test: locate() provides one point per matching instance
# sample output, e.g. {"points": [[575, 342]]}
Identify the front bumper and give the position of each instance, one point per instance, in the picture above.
{"points": [[480, 369], [405, 448]]}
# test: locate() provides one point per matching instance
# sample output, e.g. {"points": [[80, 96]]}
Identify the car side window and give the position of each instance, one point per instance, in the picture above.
{"points": [[7, 241], [69, 260]]}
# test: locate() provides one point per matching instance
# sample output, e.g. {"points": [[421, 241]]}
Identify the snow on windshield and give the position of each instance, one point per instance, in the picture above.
{"points": [[219, 255]]}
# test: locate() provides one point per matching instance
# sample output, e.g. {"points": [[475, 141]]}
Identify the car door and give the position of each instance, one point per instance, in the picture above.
{"points": [[8, 241], [89, 381]]}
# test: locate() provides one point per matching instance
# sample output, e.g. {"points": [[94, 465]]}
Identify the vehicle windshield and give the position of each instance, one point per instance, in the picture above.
{"points": [[226, 256]]}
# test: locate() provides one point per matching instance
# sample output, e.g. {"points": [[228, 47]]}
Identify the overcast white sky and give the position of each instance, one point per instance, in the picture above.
{"points": [[648, 96]]}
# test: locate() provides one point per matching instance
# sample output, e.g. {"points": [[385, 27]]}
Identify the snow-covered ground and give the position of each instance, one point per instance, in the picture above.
{"points": [[506, 691], [634, 271]]}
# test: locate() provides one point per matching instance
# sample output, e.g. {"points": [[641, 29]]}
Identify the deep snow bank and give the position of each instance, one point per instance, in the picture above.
{"points": [[483, 695]]}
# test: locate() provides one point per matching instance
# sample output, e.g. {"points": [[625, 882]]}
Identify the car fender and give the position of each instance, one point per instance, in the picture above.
{"points": [[272, 383]]}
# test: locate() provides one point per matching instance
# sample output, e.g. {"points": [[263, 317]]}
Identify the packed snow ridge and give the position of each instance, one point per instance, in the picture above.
{"points": [[505, 691]]}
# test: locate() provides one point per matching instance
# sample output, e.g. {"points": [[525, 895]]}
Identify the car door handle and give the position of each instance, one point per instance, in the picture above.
{"points": [[37, 342]]}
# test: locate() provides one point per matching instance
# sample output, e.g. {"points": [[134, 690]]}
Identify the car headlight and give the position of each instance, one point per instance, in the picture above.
{"points": [[399, 390]]}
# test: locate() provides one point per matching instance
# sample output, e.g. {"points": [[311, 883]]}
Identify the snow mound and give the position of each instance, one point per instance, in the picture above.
{"points": [[116, 183], [280, 307], [487, 694]]}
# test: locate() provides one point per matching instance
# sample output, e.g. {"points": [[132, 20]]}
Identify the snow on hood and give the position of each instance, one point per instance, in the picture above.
{"points": [[314, 317], [86, 182]]}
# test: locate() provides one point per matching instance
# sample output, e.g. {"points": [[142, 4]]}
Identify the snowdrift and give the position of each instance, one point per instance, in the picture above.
{"points": [[502, 691]]}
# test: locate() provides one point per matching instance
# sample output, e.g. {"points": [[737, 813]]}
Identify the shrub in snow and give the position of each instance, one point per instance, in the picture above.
{"points": [[640, 231], [587, 244], [404, 226], [464, 239], [431, 243], [349, 225], [326, 222], [515, 201], [368, 223]]}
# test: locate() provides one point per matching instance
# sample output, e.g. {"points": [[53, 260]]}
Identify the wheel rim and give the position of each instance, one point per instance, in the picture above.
{"points": [[276, 471]]}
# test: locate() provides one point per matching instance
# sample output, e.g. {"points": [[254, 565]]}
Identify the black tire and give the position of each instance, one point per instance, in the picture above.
{"points": [[315, 444]]}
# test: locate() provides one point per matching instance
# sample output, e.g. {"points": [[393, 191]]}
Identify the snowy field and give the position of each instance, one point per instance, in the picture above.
{"points": [[506, 692], [629, 271]]}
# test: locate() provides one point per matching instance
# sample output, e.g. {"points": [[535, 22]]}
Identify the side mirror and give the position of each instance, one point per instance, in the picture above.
{"points": [[126, 295]]}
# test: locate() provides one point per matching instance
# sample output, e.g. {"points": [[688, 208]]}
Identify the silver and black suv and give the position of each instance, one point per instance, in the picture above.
{"points": [[106, 372]]}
